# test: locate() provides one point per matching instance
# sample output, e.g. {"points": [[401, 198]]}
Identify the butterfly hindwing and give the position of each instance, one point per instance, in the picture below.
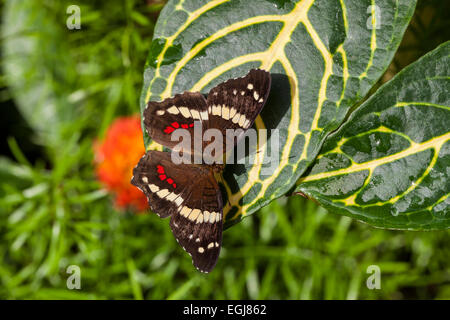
{"points": [[198, 225], [190, 195]]}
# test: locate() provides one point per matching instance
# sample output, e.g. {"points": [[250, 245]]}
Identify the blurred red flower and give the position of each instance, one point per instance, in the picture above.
{"points": [[115, 158]]}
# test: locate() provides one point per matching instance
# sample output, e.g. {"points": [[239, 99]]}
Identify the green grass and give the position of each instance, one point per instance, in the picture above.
{"points": [[292, 249], [53, 212]]}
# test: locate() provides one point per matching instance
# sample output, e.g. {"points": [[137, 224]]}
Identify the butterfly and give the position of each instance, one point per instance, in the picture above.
{"points": [[189, 193]]}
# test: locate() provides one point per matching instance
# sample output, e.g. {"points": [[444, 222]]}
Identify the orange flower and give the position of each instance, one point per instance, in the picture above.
{"points": [[115, 158]]}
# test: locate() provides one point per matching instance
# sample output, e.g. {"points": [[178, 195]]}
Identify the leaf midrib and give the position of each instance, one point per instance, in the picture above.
{"points": [[435, 143]]}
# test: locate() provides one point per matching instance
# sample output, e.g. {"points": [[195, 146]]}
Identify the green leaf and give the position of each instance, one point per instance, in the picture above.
{"points": [[324, 56], [37, 65], [388, 165]]}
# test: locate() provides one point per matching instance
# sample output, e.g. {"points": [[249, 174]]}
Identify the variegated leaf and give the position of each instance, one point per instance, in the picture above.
{"points": [[389, 164], [324, 55]]}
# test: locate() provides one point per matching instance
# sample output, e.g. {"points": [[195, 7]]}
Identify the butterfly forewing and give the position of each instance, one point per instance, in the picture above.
{"points": [[161, 119], [191, 196], [236, 103], [233, 104]]}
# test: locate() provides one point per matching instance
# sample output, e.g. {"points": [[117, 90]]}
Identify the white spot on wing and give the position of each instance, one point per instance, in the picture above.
{"points": [[179, 201], [153, 187], [194, 214], [204, 115], [172, 196], [232, 112], [195, 114], [217, 110], [185, 211], [242, 120], [173, 110], [225, 112], [206, 216], [162, 193], [185, 112]]}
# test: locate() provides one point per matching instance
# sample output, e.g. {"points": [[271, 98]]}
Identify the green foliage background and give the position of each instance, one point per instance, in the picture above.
{"points": [[53, 213]]}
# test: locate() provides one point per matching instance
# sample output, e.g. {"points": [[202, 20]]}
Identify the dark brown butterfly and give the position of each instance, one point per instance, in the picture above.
{"points": [[189, 193]]}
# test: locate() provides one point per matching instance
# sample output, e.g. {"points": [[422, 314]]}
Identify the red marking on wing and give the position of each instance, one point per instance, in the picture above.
{"points": [[162, 176], [176, 125], [168, 129]]}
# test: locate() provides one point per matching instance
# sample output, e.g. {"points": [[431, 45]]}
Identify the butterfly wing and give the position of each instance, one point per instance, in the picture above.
{"points": [[161, 119], [190, 195], [235, 104], [198, 225]]}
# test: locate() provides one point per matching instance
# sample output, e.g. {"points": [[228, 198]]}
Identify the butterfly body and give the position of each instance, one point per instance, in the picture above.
{"points": [[189, 193]]}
